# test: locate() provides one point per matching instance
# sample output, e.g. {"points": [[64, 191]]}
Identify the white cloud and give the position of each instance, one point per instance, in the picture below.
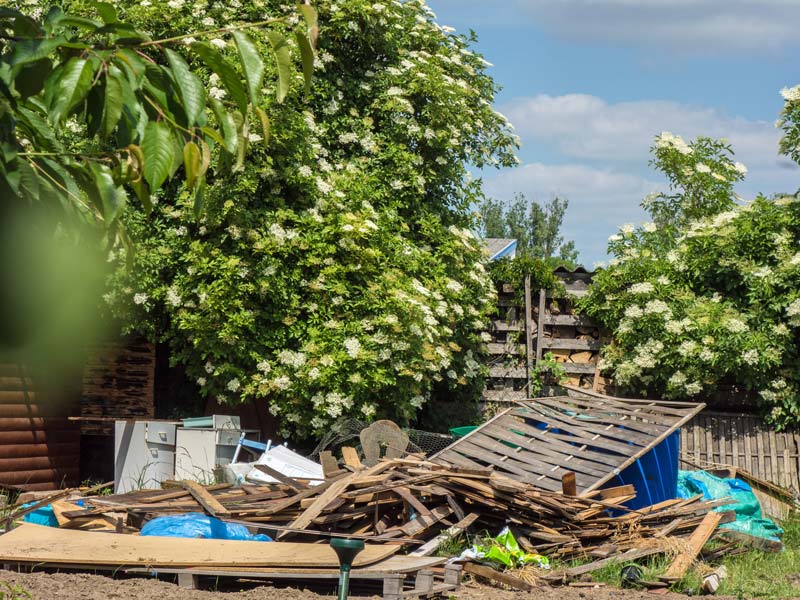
{"points": [[683, 26], [599, 199], [587, 127]]}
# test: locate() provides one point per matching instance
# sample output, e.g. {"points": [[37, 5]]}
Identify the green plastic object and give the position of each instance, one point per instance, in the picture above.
{"points": [[459, 432], [504, 551], [749, 519], [346, 550]]}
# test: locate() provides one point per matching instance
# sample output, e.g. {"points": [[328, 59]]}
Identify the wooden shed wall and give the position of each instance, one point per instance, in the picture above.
{"points": [[39, 444], [118, 382], [745, 441]]}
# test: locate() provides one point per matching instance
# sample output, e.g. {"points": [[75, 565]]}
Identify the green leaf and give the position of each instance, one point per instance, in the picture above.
{"points": [[28, 182], [189, 86], [80, 22], [114, 98], [229, 131], [106, 11], [157, 149], [225, 71], [72, 87], [310, 15], [112, 196], [31, 50], [283, 61], [22, 25], [31, 77], [265, 126], [199, 198], [252, 64], [191, 163], [307, 56]]}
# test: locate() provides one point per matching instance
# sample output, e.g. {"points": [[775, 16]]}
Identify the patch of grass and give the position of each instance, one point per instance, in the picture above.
{"points": [[757, 574]]}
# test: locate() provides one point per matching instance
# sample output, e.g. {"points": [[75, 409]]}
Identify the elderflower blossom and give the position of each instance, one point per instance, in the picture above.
{"points": [[750, 356], [633, 311], [791, 94], [352, 346], [641, 288], [736, 325], [233, 385], [702, 168], [139, 298], [292, 359]]}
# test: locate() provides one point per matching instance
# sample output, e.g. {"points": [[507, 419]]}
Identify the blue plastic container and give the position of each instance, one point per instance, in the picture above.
{"points": [[654, 476]]}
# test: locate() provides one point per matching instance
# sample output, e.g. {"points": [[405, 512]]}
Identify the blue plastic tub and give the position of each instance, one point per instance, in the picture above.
{"points": [[654, 476]]}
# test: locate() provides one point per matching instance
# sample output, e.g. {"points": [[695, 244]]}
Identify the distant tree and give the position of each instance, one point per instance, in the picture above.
{"points": [[536, 227]]}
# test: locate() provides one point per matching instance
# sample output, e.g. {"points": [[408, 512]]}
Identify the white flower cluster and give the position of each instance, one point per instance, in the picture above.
{"points": [[670, 140]]}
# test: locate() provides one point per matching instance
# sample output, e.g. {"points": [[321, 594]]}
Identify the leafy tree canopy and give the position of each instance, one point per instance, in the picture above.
{"points": [[536, 227], [709, 292], [335, 273]]}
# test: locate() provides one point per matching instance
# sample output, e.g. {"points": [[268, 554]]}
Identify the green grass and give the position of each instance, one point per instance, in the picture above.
{"points": [[754, 574], [757, 574], [14, 591]]}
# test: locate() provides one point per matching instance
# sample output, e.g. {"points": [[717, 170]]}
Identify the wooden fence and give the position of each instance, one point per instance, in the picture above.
{"points": [[742, 440]]}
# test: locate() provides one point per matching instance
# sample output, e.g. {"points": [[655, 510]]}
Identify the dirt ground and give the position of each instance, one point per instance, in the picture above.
{"points": [[84, 586]]}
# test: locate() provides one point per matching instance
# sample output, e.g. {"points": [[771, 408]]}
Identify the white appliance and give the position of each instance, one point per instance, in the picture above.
{"points": [[200, 452], [144, 454]]}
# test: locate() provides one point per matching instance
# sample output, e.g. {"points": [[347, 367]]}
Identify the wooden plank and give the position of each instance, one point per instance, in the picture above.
{"points": [[630, 555], [540, 325], [502, 349], [579, 368], [329, 463], [570, 344], [529, 331], [286, 480], [350, 457], [505, 395], [510, 372], [498, 577], [677, 569], [569, 320], [46, 545], [316, 508], [204, 498], [431, 546], [501, 325]]}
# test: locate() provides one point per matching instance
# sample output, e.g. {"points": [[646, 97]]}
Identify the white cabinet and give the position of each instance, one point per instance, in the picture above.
{"points": [[144, 454], [200, 451]]}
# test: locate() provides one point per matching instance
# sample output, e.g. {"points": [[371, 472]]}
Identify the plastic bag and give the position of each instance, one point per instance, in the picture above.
{"points": [[197, 525], [505, 551]]}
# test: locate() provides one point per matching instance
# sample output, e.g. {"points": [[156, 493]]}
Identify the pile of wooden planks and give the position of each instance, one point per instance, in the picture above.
{"points": [[409, 502]]}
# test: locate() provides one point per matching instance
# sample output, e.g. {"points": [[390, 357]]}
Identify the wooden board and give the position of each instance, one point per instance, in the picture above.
{"points": [[595, 436], [677, 569], [30, 543]]}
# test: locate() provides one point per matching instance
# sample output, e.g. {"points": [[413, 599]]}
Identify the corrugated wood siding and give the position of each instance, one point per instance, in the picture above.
{"points": [[39, 445], [744, 441], [118, 382]]}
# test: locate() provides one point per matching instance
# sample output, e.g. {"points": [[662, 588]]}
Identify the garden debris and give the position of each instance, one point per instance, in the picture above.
{"points": [[410, 501], [539, 441]]}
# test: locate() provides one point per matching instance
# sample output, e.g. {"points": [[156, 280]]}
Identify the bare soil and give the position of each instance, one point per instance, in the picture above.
{"points": [[85, 586]]}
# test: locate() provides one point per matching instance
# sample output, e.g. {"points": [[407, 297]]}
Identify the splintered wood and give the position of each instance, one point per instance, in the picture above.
{"points": [[411, 502]]}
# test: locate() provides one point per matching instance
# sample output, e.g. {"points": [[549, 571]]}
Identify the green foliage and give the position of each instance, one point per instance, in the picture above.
{"points": [[708, 293], [514, 270], [536, 227], [13, 591], [91, 106], [334, 272]]}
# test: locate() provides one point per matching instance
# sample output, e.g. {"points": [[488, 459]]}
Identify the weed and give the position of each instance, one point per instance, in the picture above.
{"points": [[14, 591], [453, 545]]}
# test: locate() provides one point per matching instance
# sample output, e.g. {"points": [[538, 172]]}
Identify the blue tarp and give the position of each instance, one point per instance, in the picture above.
{"points": [[748, 511], [197, 525]]}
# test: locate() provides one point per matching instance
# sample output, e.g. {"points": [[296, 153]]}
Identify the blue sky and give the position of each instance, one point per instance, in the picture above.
{"points": [[588, 83]]}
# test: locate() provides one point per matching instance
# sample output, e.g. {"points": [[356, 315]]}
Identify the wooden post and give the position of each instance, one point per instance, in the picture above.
{"points": [[187, 580], [529, 332], [452, 574], [540, 328], [424, 581], [568, 485], [393, 586]]}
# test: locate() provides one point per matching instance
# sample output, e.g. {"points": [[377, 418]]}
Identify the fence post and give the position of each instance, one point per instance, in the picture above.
{"points": [[528, 332]]}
